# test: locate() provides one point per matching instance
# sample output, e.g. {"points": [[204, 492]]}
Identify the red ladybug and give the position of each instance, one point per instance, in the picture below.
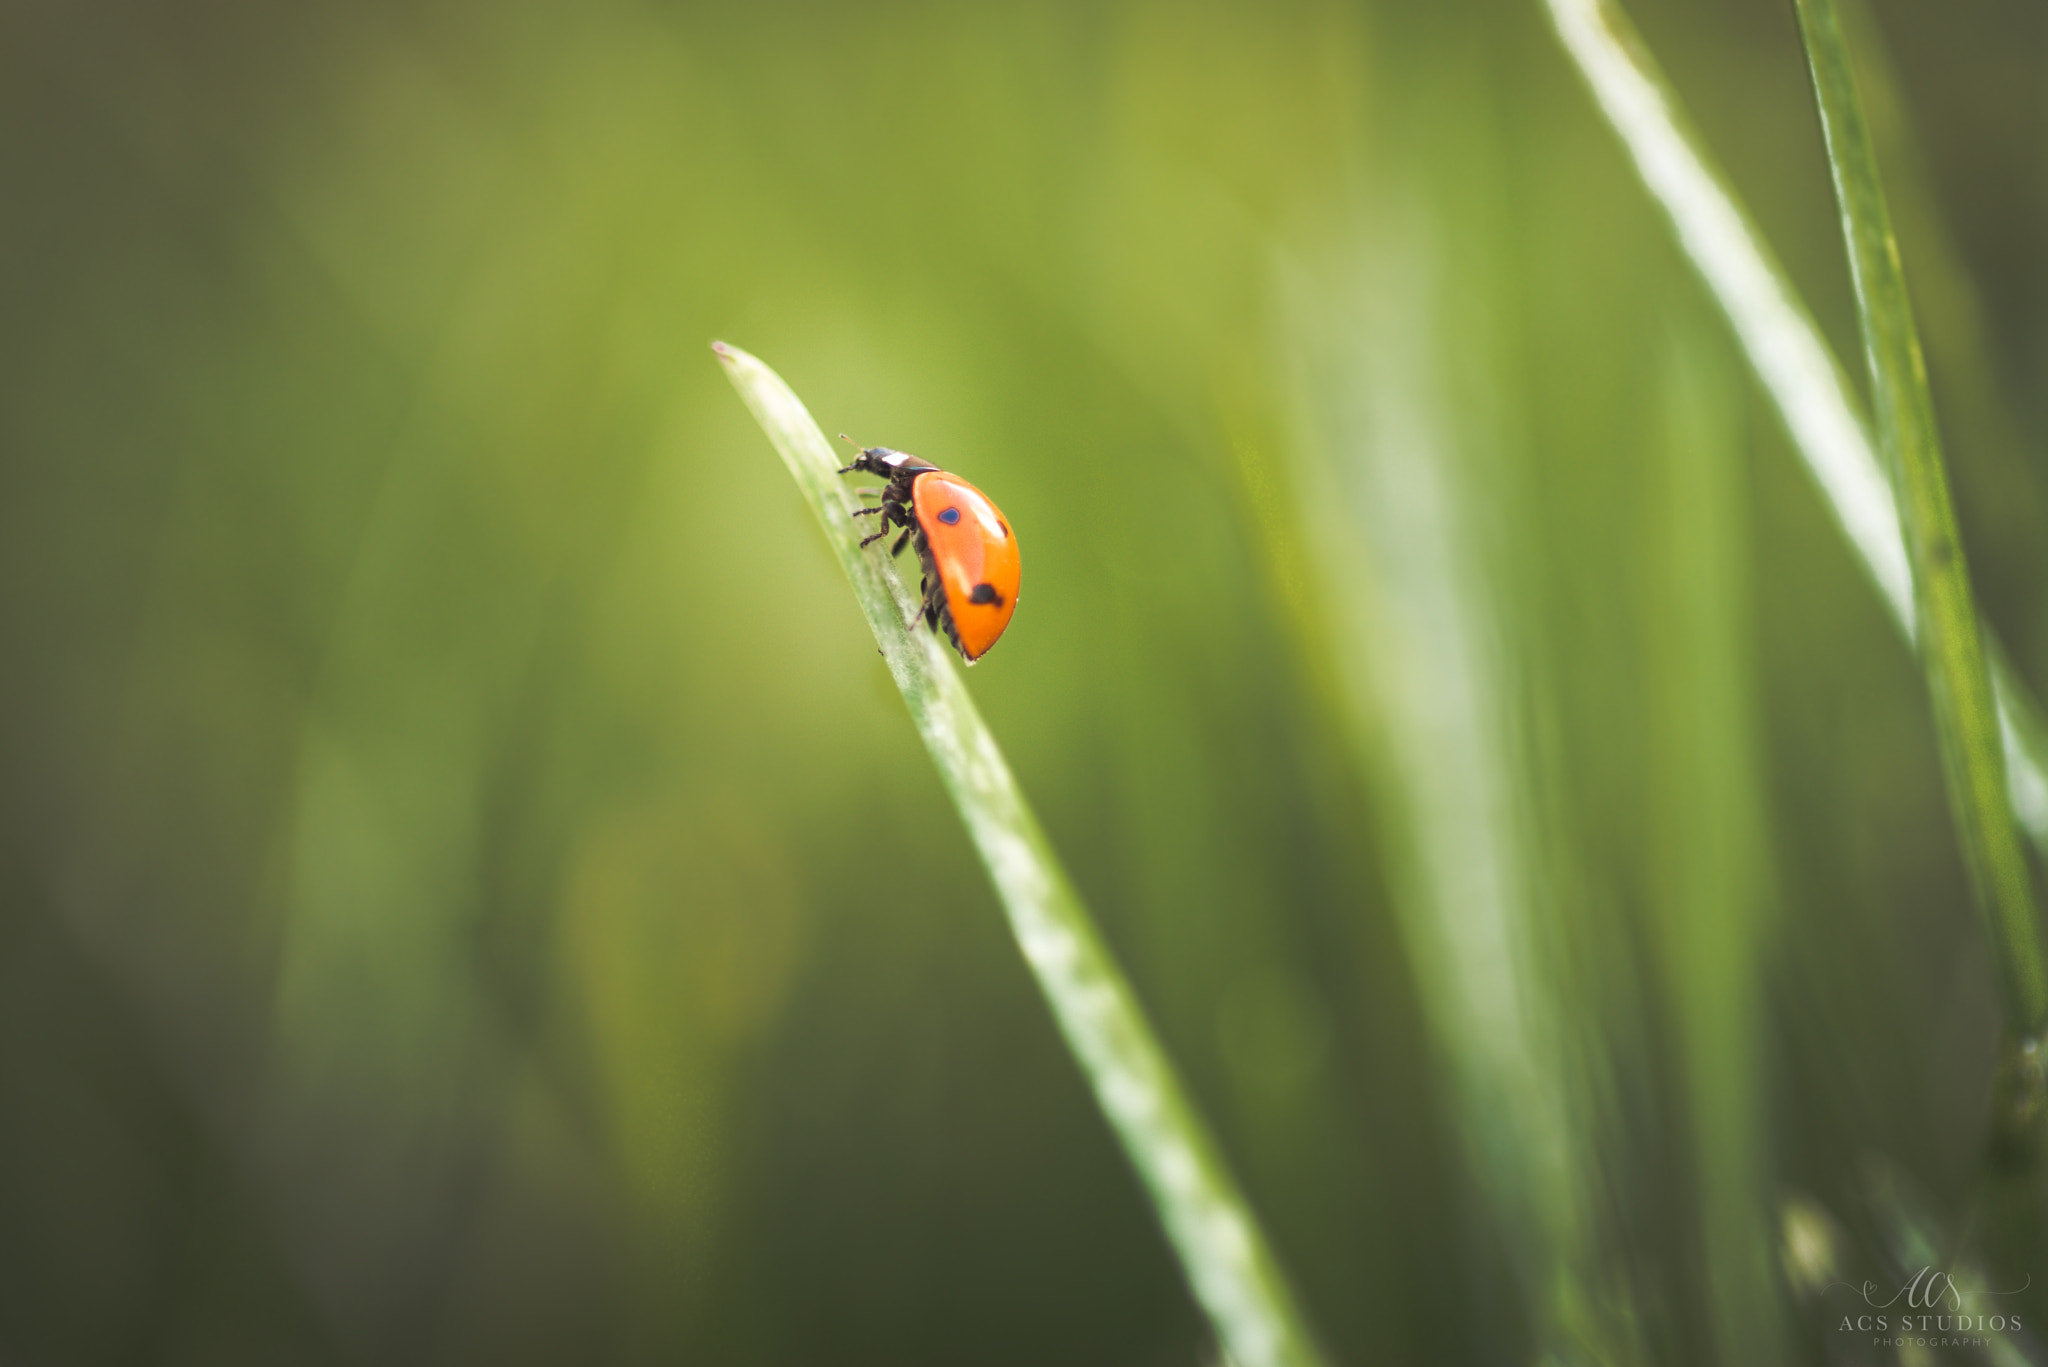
{"points": [[971, 569]]}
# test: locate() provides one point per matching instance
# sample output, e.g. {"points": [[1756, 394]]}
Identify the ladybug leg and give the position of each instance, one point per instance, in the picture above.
{"points": [[891, 511], [901, 542]]}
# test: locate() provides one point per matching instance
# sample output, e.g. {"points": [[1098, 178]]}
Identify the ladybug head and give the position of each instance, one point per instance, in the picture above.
{"points": [[880, 460], [864, 462]]}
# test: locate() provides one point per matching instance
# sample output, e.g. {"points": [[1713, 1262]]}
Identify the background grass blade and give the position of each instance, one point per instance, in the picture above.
{"points": [[1385, 482], [1790, 358], [1953, 654], [1715, 895], [1225, 1254], [1772, 324]]}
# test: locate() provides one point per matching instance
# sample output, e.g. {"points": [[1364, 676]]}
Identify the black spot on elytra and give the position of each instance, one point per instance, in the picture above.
{"points": [[1004, 525], [985, 593], [950, 516]]}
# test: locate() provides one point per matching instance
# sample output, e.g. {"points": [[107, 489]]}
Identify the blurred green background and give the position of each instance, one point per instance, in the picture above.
{"points": [[469, 892]]}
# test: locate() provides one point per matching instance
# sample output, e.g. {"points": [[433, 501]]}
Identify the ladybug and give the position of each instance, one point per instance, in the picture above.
{"points": [[969, 554]]}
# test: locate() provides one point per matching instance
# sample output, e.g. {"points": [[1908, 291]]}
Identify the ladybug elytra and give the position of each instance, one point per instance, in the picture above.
{"points": [[969, 554]]}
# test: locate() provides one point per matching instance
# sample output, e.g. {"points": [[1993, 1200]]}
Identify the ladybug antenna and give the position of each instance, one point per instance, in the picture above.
{"points": [[847, 470]]}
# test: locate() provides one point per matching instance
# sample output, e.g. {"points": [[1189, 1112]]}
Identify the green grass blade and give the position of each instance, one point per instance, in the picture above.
{"points": [[1773, 326], [1958, 679], [1793, 363], [1220, 1244], [1402, 603], [1712, 898]]}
